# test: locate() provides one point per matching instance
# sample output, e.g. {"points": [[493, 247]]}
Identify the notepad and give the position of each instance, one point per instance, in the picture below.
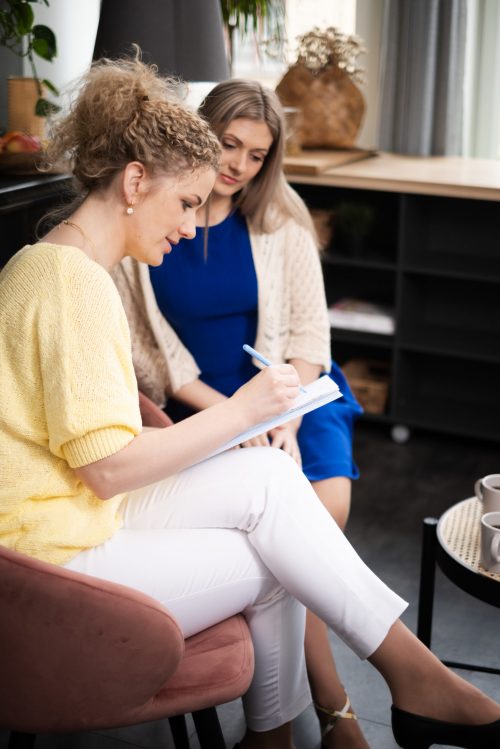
{"points": [[318, 393]]}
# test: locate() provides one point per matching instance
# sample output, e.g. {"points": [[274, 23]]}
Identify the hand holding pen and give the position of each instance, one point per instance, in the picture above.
{"points": [[263, 360], [283, 437], [270, 393]]}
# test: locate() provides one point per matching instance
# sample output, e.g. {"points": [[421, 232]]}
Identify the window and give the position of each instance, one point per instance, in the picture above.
{"points": [[481, 125], [250, 57]]}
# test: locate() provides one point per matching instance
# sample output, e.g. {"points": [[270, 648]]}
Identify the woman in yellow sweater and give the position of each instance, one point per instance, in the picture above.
{"points": [[82, 485], [252, 274]]}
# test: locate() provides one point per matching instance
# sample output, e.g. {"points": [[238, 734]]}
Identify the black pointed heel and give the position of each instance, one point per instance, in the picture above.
{"points": [[416, 732]]}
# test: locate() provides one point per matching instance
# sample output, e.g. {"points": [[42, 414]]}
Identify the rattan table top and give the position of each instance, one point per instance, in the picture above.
{"points": [[459, 533]]}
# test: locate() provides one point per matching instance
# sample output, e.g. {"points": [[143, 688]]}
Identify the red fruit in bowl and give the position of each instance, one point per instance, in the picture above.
{"points": [[17, 142]]}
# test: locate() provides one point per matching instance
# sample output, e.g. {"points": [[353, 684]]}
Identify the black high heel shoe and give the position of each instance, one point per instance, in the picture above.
{"points": [[416, 732]]}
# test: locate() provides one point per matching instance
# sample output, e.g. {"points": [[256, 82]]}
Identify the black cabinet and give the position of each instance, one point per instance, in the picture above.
{"points": [[23, 202], [435, 259]]}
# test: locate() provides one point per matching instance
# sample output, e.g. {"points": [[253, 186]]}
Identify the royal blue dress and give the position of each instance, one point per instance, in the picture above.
{"points": [[212, 306]]}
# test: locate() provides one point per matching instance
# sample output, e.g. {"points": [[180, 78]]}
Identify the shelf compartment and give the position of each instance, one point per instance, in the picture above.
{"points": [[434, 393], [376, 260], [369, 380], [346, 347], [382, 243], [449, 315], [451, 235], [344, 351], [361, 338], [377, 285], [457, 353]]}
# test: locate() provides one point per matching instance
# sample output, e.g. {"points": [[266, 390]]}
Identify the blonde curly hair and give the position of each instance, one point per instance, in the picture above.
{"points": [[124, 112]]}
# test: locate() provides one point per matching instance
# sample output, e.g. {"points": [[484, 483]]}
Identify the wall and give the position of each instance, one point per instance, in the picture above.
{"points": [[75, 27], [9, 65]]}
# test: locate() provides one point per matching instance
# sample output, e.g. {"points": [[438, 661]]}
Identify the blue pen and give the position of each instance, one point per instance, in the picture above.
{"points": [[263, 360]]}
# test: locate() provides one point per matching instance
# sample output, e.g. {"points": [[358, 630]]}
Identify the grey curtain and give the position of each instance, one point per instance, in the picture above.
{"points": [[423, 63], [182, 37]]}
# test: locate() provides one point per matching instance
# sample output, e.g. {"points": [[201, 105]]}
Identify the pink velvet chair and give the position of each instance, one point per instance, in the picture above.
{"points": [[152, 415], [78, 653]]}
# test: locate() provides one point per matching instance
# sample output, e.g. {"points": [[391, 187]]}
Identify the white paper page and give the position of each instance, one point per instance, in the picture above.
{"points": [[321, 391]]}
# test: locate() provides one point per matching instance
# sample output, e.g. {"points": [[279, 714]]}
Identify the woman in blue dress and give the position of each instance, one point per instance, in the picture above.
{"points": [[252, 275]]}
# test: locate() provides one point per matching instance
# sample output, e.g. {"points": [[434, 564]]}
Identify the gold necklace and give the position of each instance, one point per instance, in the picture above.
{"points": [[85, 238]]}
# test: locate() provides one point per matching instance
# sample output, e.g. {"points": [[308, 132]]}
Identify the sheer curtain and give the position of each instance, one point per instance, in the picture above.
{"points": [[422, 76], [481, 136]]}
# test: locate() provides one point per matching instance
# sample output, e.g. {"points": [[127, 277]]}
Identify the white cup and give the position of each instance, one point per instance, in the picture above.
{"points": [[487, 490], [490, 541]]}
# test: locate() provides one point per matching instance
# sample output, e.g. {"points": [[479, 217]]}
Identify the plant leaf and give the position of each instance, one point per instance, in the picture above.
{"points": [[44, 42], [25, 17], [44, 108], [41, 48], [51, 87], [249, 14]]}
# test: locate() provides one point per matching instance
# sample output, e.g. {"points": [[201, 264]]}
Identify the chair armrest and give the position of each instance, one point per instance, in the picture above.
{"points": [[77, 652]]}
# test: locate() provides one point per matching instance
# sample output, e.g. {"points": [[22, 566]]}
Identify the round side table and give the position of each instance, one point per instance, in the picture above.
{"points": [[453, 543]]}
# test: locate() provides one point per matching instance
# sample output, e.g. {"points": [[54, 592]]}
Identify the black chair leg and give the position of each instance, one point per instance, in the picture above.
{"points": [[179, 731], [427, 579], [19, 740], [208, 729]]}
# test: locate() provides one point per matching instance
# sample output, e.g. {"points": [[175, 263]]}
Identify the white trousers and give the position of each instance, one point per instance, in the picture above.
{"points": [[245, 532]]}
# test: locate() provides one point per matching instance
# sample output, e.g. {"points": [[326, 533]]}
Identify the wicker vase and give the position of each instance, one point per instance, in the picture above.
{"points": [[22, 97], [331, 107]]}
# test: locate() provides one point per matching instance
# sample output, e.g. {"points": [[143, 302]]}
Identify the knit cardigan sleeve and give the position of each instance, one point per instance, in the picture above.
{"points": [[292, 310], [162, 363], [309, 325]]}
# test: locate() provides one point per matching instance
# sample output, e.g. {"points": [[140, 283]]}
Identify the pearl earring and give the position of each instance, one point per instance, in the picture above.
{"points": [[130, 210]]}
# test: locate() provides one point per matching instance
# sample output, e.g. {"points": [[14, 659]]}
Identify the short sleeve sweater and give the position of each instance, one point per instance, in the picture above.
{"points": [[69, 398]]}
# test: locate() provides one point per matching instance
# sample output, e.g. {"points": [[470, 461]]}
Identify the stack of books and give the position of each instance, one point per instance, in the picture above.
{"points": [[358, 314]]}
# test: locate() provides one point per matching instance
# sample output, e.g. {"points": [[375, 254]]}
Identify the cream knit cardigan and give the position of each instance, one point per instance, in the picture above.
{"points": [[292, 312]]}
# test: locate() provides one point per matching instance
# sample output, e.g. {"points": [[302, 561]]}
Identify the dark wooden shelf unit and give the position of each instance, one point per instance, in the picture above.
{"points": [[434, 256]]}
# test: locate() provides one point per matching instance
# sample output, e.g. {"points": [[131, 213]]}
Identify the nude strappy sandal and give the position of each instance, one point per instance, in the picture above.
{"points": [[334, 716]]}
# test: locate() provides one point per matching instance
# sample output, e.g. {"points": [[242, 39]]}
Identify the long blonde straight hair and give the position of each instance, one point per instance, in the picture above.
{"points": [[267, 201]]}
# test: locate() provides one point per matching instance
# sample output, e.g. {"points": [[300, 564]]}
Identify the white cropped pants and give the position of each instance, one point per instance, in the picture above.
{"points": [[245, 532]]}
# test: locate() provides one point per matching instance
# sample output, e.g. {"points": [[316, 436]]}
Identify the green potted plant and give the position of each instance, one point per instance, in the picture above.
{"points": [[256, 15], [20, 34]]}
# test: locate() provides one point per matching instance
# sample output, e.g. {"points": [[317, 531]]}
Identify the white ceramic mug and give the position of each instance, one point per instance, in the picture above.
{"points": [[490, 541], [487, 490]]}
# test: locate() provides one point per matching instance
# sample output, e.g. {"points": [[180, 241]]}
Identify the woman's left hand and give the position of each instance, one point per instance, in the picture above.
{"points": [[284, 437]]}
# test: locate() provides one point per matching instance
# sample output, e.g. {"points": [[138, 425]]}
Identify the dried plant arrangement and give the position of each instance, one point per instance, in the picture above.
{"points": [[321, 48], [322, 86]]}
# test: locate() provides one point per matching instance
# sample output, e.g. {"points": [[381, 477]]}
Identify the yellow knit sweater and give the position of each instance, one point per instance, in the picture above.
{"points": [[68, 397]]}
